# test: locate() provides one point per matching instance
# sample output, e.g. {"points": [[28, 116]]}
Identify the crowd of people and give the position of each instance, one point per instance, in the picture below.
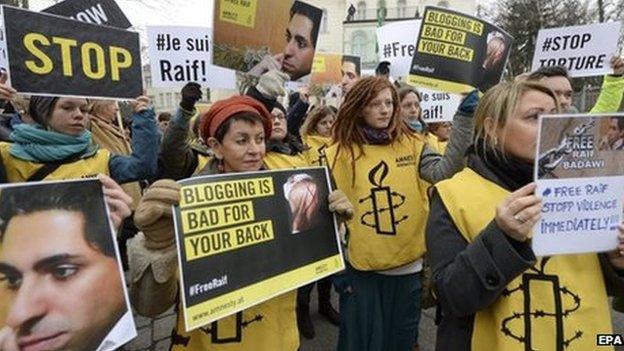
{"points": [[463, 205]]}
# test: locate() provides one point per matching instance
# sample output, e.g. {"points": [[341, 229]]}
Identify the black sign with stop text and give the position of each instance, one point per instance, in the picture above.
{"points": [[104, 12], [52, 55]]}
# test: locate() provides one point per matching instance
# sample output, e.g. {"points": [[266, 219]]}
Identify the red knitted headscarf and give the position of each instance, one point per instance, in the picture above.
{"points": [[222, 110]]}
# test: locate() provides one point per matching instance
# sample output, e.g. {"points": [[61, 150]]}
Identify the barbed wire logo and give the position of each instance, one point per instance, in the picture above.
{"points": [[530, 312]]}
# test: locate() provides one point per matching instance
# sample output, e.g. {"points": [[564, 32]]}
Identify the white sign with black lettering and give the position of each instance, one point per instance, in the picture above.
{"points": [[438, 106], [397, 45], [584, 50], [179, 55]]}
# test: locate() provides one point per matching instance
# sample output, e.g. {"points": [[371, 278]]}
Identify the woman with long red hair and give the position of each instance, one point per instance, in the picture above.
{"points": [[380, 298]]}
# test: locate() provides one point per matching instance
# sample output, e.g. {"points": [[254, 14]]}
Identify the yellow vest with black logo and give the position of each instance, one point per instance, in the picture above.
{"points": [[559, 304], [387, 230], [269, 326], [316, 153], [18, 170], [276, 160]]}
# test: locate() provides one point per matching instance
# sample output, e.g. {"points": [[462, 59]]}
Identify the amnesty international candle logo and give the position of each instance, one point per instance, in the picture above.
{"points": [[236, 244], [384, 202], [552, 304]]}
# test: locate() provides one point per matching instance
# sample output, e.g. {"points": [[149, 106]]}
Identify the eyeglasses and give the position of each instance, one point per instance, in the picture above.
{"points": [[280, 117]]}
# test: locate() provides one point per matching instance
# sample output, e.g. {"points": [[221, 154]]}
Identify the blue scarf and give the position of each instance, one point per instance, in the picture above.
{"points": [[35, 144]]}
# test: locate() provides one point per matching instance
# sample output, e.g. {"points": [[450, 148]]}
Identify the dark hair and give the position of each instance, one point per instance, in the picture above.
{"points": [[383, 68], [403, 92], [314, 14], [547, 72], [164, 116], [80, 197], [620, 122], [354, 60], [248, 117]]}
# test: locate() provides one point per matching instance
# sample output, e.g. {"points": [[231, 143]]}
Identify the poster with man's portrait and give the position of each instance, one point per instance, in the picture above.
{"points": [[61, 282], [253, 37]]}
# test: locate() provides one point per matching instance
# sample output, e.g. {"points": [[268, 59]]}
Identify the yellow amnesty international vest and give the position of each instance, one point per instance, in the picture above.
{"points": [[20, 170], [275, 160], [269, 326], [559, 304], [387, 230], [316, 153]]}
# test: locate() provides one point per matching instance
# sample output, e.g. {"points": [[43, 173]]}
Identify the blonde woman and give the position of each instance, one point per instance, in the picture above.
{"points": [[494, 294]]}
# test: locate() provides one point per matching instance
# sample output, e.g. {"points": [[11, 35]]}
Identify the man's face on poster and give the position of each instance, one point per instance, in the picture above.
{"points": [[349, 76], [299, 50], [63, 293]]}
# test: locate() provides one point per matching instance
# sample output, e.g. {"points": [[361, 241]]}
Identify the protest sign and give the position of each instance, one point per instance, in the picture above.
{"points": [[438, 106], [245, 238], [328, 69], [397, 45], [52, 55], [579, 171], [456, 52], [583, 50], [102, 12], [249, 36], [179, 55], [58, 237]]}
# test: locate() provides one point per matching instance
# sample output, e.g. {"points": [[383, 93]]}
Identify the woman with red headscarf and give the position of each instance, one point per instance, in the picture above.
{"points": [[236, 129]]}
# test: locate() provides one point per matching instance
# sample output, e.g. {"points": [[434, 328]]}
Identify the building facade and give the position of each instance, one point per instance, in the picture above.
{"points": [[359, 27]]}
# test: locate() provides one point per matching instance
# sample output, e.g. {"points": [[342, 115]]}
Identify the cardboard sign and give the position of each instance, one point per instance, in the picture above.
{"points": [[244, 238], [102, 12], [457, 53], [584, 50], [253, 37], [579, 170], [52, 55], [438, 106], [58, 234], [397, 45], [179, 55]]}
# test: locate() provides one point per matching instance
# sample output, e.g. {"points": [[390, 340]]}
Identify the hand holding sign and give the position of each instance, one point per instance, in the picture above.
{"points": [[268, 63], [618, 66], [6, 92], [517, 215], [117, 200], [140, 104]]}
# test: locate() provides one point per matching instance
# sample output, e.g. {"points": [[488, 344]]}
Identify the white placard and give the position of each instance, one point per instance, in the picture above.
{"points": [[179, 55], [584, 50], [579, 171], [438, 106], [397, 43]]}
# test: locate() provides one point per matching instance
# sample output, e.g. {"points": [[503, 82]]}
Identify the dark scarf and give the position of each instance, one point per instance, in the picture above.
{"points": [[510, 172], [289, 146], [374, 136]]}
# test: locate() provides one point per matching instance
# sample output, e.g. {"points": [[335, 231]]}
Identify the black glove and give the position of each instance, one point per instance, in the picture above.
{"points": [[469, 104], [191, 93]]}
